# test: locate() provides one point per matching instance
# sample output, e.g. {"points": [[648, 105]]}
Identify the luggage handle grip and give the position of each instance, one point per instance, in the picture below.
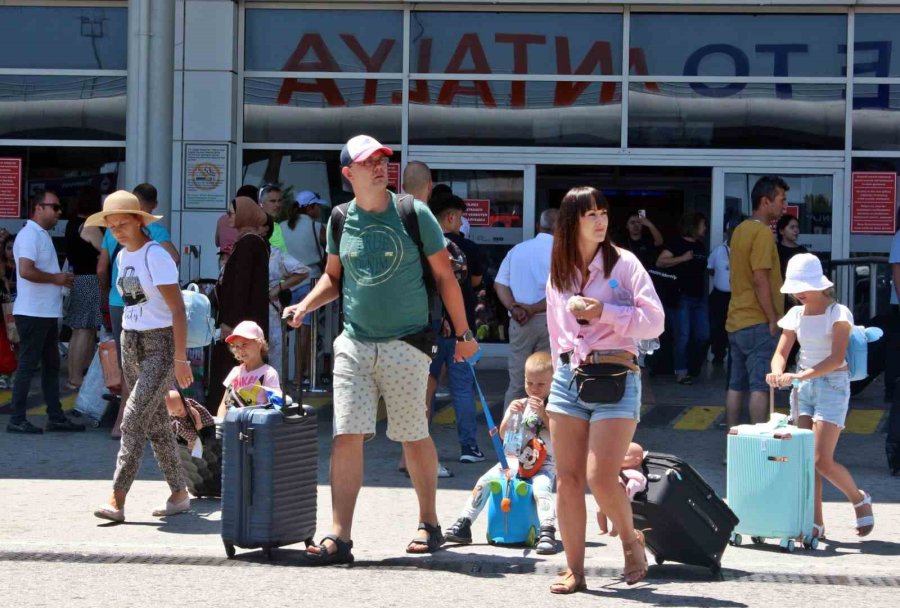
{"points": [[706, 518]]}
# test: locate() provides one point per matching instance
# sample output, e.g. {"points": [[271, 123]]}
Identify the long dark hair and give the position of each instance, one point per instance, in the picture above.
{"points": [[566, 258]]}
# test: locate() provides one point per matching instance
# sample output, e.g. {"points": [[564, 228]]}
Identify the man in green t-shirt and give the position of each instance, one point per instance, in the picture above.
{"points": [[271, 203], [756, 302], [385, 301]]}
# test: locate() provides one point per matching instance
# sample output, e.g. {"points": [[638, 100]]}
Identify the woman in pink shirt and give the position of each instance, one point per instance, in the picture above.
{"points": [[600, 303]]}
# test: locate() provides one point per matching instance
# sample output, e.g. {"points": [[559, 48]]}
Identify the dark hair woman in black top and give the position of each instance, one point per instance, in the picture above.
{"points": [[82, 310]]}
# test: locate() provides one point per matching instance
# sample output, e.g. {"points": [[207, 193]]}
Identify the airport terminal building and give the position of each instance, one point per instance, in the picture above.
{"points": [[668, 107]]}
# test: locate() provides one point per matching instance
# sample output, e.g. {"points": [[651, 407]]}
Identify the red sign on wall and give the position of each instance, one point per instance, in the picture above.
{"points": [[478, 211], [10, 186], [874, 202], [394, 177]]}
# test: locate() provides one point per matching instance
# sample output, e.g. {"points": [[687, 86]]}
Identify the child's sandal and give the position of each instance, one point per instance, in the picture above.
{"points": [[569, 582], [319, 555], [866, 523]]}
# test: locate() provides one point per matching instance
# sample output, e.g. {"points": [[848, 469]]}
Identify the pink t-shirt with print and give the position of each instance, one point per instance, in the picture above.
{"points": [[243, 380]]}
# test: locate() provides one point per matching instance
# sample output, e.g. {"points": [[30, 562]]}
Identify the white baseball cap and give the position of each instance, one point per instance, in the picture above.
{"points": [[360, 148], [804, 273]]}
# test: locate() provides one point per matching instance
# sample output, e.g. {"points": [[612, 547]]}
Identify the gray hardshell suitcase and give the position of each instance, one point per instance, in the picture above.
{"points": [[270, 475]]}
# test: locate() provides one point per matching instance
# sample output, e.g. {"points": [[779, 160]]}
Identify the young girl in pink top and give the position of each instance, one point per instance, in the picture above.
{"points": [[600, 303]]}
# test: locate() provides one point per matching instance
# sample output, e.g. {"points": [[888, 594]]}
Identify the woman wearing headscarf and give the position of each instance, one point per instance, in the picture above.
{"points": [[243, 289]]}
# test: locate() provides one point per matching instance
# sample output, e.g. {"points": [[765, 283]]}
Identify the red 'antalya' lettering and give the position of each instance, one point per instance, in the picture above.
{"points": [[598, 59]]}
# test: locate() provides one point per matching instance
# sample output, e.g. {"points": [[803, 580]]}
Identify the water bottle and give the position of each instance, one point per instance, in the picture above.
{"points": [[623, 298], [512, 441]]}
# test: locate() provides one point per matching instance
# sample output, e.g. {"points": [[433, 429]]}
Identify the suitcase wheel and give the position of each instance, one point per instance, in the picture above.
{"points": [[736, 540], [788, 546], [758, 540], [715, 568], [811, 543], [229, 549], [490, 539], [309, 542], [267, 552], [659, 560]]}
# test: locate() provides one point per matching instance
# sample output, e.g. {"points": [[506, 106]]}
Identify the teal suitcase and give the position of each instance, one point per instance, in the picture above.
{"points": [[771, 482]]}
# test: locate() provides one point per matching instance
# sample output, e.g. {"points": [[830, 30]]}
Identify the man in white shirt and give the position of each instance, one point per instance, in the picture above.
{"points": [[37, 310], [521, 285]]}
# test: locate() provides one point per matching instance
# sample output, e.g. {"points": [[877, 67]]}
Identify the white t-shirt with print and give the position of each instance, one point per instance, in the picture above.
{"points": [[720, 263], [37, 299], [140, 273], [814, 332]]}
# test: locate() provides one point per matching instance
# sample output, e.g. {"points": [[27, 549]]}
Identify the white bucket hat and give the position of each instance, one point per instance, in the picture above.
{"points": [[804, 273]]}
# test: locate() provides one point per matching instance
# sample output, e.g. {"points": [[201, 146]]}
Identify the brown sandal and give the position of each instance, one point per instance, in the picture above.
{"points": [[569, 582], [635, 560]]}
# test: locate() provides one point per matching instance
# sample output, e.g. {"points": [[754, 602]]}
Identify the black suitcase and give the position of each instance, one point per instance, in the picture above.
{"points": [[683, 518]]}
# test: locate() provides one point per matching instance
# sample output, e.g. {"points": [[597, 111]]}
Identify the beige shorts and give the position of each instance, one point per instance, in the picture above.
{"points": [[365, 371]]}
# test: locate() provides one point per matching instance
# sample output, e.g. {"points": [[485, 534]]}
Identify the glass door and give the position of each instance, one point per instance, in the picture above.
{"points": [[814, 198], [500, 213]]}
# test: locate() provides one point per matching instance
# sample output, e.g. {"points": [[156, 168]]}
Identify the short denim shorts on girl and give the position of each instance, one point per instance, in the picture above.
{"points": [[564, 398], [825, 398]]}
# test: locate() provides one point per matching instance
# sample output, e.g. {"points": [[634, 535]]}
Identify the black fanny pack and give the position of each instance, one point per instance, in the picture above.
{"points": [[424, 340], [601, 382]]}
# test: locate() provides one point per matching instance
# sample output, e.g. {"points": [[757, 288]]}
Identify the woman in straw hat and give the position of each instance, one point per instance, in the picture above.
{"points": [[243, 289], [153, 352]]}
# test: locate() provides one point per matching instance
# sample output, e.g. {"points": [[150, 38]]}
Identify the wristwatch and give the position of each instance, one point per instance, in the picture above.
{"points": [[467, 336]]}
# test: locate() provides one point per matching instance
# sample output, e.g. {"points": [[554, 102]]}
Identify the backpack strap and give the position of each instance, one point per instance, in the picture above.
{"points": [[146, 254], [338, 216], [406, 207]]}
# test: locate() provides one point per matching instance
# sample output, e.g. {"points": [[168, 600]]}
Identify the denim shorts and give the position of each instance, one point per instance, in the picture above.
{"points": [[824, 398], [564, 398], [751, 350]]}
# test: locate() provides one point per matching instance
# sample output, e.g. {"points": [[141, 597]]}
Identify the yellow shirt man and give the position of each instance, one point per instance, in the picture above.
{"points": [[752, 248]]}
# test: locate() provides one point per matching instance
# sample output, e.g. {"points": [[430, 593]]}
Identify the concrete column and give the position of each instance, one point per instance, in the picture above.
{"points": [[151, 51]]}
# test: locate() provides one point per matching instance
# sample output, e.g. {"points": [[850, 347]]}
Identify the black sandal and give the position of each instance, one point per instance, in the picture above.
{"points": [[323, 557], [432, 544]]}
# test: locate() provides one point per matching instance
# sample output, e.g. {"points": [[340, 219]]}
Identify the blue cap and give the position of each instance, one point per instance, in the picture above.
{"points": [[307, 198]]}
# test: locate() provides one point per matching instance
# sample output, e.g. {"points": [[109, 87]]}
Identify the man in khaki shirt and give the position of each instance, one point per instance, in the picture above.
{"points": [[756, 302]]}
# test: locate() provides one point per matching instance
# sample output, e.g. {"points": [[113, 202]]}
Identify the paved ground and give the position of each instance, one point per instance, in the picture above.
{"points": [[53, 551]]}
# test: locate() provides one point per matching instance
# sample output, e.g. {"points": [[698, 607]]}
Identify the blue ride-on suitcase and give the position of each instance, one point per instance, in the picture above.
{"points": [[682, 517], [771, 483], [269, 479], [512, 514]]}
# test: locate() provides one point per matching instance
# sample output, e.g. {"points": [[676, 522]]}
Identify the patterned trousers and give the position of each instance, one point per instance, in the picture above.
{"points": [[148, 362]]}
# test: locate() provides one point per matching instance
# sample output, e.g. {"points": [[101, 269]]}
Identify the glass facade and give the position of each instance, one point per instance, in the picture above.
{"points": [[65, 125]]}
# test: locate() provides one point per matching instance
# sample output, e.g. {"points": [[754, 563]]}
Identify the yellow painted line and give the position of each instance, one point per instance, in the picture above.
{"points": [[447, 416], [863, 422], [68, 404], [317, 402], [698, 418]]}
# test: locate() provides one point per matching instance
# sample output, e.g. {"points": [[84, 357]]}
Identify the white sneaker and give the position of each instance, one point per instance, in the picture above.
{"points": [[444, 471]]}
